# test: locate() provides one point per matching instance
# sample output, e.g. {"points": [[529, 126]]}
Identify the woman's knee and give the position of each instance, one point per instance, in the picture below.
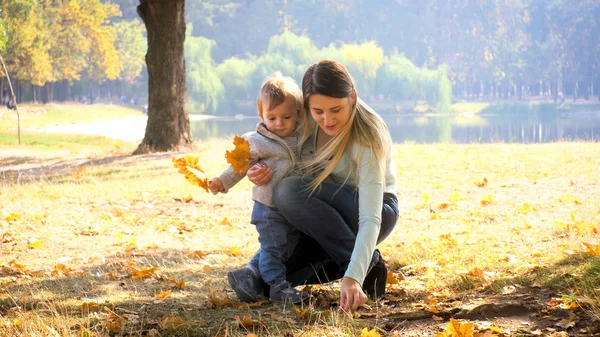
{"points": [[288, 190]]}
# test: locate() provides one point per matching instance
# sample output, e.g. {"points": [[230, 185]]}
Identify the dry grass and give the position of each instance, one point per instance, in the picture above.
{"points": [[102, 219]]}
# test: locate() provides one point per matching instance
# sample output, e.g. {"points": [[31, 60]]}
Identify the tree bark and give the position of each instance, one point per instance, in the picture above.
{"points": [[168, 126]]}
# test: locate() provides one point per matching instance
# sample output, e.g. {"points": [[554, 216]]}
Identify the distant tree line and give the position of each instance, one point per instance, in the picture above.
{"points": [[409, 50]]}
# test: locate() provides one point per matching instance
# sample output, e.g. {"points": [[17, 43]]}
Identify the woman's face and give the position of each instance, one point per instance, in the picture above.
{"points": [[330, 113]]}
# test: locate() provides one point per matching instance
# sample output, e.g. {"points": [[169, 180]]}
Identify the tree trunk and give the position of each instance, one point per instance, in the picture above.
{"points": [[168, 126]]}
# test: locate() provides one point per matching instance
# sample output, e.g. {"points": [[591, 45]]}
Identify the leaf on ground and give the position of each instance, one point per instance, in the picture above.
{"points": [[457, 329], [172, 322], [235, 251], [217, 301], [163, 294], [33, 243], [481, 183], [197, 253], [487, 200], [61, 270], [525, 208], [239, 158], [143, 273], [247, 321], [394, 278], [369, 333], [443, 206], [188, 166], [476, 272], [177, 284], [87, 307], [13, 217], [593, 250], [569, 198]]}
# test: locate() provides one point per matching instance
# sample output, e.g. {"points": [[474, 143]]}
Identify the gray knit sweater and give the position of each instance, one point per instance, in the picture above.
{"points": [[267, 149]]}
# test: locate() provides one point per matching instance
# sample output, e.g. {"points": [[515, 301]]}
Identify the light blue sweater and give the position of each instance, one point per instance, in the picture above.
{"points": [[371, 186]]}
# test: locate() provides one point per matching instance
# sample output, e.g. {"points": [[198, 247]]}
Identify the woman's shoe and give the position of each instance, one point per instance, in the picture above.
{"points": [[374, 284], [247, 284]]}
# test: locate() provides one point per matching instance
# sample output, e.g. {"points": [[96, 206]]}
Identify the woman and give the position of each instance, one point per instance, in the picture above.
{"points": [[348, 206]]}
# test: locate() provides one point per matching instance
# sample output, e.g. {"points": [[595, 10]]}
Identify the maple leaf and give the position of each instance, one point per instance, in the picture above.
{"points": [[457, 329], [163, 294], [188, 166], [240, 157], [369, 333], [143, 273]]}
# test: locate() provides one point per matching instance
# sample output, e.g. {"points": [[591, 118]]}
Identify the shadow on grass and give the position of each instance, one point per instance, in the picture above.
{"points": [[576, 276], [205, 301]]}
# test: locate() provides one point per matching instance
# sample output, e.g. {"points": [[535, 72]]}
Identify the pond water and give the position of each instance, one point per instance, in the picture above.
{"points": [[434, 128]]}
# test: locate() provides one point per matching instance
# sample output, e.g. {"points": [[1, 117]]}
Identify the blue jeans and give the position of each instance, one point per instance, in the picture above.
{"points": [[327, 221], [277, 241]]}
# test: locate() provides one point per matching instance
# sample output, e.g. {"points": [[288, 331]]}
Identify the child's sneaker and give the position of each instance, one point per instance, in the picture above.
{"points": [[247, 284], [284, 292]]}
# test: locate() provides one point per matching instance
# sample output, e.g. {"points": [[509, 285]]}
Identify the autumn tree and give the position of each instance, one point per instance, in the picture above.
{"points": [[168, 126]]}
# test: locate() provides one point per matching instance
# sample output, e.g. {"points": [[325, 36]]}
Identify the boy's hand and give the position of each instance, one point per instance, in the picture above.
{"points": [[259, 174], [215, 185]]}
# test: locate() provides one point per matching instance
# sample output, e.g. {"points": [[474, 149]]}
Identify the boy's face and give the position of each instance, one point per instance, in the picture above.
{"points": [[282, 119]]}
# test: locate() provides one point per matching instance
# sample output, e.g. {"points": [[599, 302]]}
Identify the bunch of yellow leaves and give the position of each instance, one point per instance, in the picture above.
{"points": [[188, 166], [240, 157]]}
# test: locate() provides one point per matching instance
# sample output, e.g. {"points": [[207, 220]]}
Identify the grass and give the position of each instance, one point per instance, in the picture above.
{"points": [[36, 117], [103, 221]]}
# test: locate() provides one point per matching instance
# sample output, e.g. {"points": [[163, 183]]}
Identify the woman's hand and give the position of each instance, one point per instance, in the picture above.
{"points": [[259, 174], [351, 295]]}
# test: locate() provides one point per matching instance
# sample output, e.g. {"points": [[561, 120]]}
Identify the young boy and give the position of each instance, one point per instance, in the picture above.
{"points": [[274, 144]]}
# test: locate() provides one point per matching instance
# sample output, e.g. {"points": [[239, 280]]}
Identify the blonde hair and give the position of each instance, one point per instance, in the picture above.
{"points": [[364, 128], [275, 89]]}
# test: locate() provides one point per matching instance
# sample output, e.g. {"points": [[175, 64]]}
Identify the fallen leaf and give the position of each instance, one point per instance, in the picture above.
{"points": [[525, 208], [393, 278], [481, 183], [369, 333], [457, 329], [61, 270], [487, 200], [235, 251], [247, 321], [443, 206], [197, 253], [239, 158], [593, 250], [163, 294], [143, 273], [13, 217], [172, 322], [34, 243], [216, 300]]}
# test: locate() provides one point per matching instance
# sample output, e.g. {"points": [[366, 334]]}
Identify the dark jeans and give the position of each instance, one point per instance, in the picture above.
{"points": [[328, 222], [277, 241]]}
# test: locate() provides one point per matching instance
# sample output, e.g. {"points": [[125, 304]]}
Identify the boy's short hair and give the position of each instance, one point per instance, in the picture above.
{"points": [[274, 91]]}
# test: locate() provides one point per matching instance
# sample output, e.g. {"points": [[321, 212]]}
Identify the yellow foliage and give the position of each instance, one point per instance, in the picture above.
{"points": [[240, 157], [188, 166], [457, 329], [369, 333]]}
